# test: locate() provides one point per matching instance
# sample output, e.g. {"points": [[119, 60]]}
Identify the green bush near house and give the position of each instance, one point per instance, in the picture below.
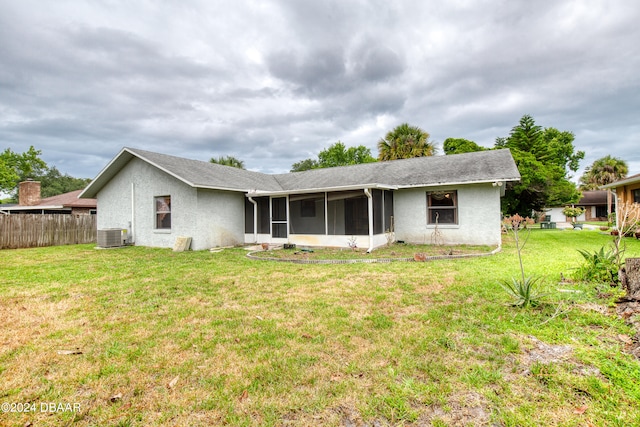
{"points": [[599, 266]]}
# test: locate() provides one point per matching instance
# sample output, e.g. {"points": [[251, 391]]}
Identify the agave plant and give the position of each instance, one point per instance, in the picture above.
{"points": [[523, 288], [524, 292]]}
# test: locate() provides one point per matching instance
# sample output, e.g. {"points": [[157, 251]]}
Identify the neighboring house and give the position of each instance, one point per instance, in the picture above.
{"points": [[627, 190], [4, 206], [594, 204], [29, 201], [157, 198]]}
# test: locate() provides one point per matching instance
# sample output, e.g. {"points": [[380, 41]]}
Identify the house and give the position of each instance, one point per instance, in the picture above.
{"points": [[627, 193], [627, 190], [594, 204], [158, 198], [30, 202]]}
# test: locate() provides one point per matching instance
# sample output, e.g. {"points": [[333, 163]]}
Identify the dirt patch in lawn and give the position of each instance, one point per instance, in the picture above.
{"points": [[541, 353], [463, 408], [630, 312]]}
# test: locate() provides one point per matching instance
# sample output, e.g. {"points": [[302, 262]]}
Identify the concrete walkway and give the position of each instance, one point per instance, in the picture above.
{"points": [[567, 225]]}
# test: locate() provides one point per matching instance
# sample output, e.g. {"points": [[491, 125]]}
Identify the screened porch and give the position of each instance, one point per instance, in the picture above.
{"points": [[319, 218]]}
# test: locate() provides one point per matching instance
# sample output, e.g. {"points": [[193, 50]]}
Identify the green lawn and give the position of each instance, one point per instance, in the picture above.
{"points": [[200, 338]]}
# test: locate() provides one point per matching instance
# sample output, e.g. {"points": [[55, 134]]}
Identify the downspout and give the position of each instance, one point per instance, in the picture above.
{"points": [[132, 239], [367, 192], [255, 219], [615, 200]]}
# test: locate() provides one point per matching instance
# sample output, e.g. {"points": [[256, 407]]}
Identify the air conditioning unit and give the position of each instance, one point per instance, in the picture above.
{"points": [[110, 238]]}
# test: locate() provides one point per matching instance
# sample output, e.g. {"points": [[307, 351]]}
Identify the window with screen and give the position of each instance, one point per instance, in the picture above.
{"points": [[163, 212], [442, 207]]}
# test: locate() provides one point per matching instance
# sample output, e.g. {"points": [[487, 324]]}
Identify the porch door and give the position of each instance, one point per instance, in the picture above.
{"points": [[279, 223]]}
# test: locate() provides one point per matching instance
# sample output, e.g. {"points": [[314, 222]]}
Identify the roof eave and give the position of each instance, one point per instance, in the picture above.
{"points": [[629, 180], [105, 175], [36, 207], [114, 166], [259, 193], [494, 181]]}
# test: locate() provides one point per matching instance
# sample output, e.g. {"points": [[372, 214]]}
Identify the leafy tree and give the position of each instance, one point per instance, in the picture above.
{"points": [[336, 155], [602, 172], [460, 145], [53, 183], [545, 158], [339, 155], [16, 167], [304, 165], [405, 142], [228, 161], [560, 149]]}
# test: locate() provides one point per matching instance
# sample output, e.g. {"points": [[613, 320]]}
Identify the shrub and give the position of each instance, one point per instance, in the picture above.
{"points": [[572, 212], [600, 266]]}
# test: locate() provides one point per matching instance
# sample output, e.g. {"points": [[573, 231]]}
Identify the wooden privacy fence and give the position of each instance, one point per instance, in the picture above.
{"points": [[31, 230]]}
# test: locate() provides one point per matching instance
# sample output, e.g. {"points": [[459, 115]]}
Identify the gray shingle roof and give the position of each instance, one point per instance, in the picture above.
{"points": [[483, 166], [209, 175]]}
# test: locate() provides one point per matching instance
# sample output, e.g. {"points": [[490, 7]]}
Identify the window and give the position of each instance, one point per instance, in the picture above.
{"points": [[636, 196], [442, 207], [163, 212]]}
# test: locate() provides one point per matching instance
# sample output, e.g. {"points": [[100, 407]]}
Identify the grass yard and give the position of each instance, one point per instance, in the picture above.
{"points": [[141, 337]]}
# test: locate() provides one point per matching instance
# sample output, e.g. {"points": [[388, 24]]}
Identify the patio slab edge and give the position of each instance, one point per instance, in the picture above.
{"points": [[251, 255]]}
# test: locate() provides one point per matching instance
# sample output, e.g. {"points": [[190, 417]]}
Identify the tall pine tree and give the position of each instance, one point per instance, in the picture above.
{"points": [[545, 159]]}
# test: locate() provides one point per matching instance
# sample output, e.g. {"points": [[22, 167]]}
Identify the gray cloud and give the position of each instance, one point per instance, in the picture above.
{"points": [[277, 81], [375, 63], [310, 72]]}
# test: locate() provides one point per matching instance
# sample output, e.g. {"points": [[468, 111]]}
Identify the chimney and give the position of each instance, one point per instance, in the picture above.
{"points": [[29, 193]]}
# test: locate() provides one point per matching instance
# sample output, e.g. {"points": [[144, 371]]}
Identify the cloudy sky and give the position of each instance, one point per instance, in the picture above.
{"points": [[274, 82]]}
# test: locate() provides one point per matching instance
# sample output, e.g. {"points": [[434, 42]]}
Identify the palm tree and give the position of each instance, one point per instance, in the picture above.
{"points": [[228, 161], [405, 142], [602, 172]]}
